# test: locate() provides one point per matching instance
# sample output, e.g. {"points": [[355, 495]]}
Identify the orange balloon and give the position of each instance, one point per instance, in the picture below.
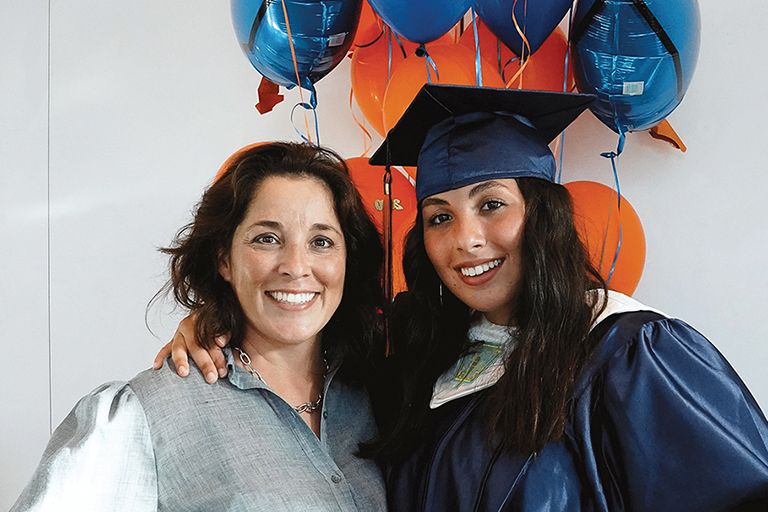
{"points": [[601, 224], [455, 65], [369, 75], [545, 68], [228, 162], [369, 78], [369, 181], [493, 51], [369, 27]]}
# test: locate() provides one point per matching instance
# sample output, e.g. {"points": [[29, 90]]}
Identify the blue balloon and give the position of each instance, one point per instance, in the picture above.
{"points": [[637, 56], [322, 32], [421, 21], [537, 19]]}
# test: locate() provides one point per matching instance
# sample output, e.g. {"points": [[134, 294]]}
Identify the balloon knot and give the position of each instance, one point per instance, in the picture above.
{"points": [[421, 51]]}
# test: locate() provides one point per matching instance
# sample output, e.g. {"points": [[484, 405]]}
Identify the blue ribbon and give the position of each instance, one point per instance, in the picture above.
{"points": [[478, 62], [613, 155], [307, 106], [421, 51]]}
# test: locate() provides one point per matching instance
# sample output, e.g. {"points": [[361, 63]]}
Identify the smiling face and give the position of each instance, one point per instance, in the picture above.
{"points": [[473, 237], [287, 260]]}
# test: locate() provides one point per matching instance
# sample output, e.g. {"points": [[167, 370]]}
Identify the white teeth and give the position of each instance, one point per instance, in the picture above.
{"points": [[480, 269], [292, 298]]}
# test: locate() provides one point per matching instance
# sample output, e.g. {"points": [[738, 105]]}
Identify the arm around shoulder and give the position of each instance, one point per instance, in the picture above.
{"points": [[99, 458]]}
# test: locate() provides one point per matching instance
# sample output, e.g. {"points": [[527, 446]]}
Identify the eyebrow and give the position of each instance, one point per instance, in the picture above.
{"points": [[482, 187], [273, 224], [430, 201]]}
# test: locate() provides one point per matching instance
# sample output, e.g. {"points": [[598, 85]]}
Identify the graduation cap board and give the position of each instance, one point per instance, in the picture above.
{"points": [[459, 135]]}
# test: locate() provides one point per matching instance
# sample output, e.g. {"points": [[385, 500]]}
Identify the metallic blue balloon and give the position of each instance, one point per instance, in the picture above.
{"points": [[637, 56], [421, 21], [537, 19], [322, 32]]}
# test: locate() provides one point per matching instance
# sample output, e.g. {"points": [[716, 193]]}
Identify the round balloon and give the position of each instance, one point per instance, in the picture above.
{"points": [[370, 28], [228, 162], [369, 180], [601, 224], [455, 64], [637, 57], [536, 20], [421, 21], [492, 49], [545, 69], [321, 33], [370, 74]]}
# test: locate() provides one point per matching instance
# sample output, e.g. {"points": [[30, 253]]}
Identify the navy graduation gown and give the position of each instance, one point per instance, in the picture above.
{"points": [[659, 421]]}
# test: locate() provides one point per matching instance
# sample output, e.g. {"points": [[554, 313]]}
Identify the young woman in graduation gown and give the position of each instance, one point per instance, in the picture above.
{"points": [[517, 381]]}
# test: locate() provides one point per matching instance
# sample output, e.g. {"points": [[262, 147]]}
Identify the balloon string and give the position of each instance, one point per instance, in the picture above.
{"points": [[613, 156], [506, 64], [308, 138], [428, 62], [367, 138], [381, 26], [525, 46], [565, 89], [400, 43], [389, 53], [306, 107], [566, 64], [478, 66]]}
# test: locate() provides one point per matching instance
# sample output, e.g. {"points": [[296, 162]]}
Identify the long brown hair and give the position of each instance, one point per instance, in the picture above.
{"points": [[353, 330], [528, 406]]}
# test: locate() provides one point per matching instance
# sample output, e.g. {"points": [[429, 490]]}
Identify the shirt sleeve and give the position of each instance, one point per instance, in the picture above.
{"points": [[675, 428], [100, 458]]}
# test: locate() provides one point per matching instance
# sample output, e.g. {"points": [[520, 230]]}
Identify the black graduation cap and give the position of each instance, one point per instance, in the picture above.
{"points": [[460, 135]]}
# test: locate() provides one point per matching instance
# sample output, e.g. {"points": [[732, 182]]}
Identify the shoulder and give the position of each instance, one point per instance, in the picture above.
{"points": [[628, 342], [107, 401], [165, 382]]}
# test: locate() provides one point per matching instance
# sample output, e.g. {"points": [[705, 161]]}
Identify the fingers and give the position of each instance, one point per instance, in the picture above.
{"points": [[179, 354], [222, 340], [184, 344], [204, 361], [160, 357], [219, 361]]}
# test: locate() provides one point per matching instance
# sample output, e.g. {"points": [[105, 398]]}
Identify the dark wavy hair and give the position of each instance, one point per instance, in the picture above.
{"points": [[353, 331], [554, 312]]}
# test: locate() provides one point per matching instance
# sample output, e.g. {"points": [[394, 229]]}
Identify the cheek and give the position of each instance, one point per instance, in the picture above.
{"points": [[332, 272], [438, 253]]}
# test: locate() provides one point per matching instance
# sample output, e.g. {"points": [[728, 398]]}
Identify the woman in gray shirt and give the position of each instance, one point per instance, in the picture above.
{"points": [[282, 256]]}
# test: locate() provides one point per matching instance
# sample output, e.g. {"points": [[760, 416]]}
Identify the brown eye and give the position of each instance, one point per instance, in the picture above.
{"points": [[322, 242], [493, 204], [439, 219], [267, 239]]}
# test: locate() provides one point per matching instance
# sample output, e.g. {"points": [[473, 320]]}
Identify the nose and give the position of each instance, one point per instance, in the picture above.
{"points": [[469, 235], [294, 262]]}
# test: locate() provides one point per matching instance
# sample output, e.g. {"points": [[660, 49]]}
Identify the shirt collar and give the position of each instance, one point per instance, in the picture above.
{"points": [[482, 367], [242, 378]]}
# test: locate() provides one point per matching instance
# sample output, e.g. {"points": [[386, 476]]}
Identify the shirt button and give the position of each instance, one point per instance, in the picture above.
{"points": [[335, 478], [325, 414]]}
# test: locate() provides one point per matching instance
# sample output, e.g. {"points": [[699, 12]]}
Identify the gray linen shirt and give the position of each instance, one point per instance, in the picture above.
{"points": [[159, 442]]}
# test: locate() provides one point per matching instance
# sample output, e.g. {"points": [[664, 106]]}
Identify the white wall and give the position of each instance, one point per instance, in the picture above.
{"points": [[148, 98]]}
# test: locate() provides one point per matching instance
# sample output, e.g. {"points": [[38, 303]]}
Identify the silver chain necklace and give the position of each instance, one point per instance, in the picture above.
{"points": [[306, 407]]}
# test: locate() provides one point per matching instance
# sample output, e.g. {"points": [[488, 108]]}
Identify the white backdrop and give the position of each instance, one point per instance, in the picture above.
{"points": [[114, 116]]}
